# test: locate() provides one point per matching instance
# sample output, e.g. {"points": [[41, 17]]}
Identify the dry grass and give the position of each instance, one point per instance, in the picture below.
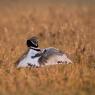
{"points": [[71, 29]]}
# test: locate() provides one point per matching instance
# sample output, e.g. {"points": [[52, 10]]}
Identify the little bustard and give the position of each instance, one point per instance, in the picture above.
{"points": [[36, 57]]}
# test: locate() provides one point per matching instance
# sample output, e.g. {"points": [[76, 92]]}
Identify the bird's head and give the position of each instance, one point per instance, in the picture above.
{"points": [[32, 42]]}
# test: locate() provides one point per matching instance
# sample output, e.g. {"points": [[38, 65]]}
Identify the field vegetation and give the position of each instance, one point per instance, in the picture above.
{"points": [[69, 28]]}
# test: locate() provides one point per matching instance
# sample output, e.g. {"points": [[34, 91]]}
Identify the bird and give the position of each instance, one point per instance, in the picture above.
{"points": [[37, 57]]}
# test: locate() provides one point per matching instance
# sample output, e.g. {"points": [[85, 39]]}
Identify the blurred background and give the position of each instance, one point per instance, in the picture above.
{"points": [[25, 2], [65, 24]]}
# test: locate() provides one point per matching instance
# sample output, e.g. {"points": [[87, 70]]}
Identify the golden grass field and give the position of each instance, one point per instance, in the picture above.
{"points": [[69, 28]]}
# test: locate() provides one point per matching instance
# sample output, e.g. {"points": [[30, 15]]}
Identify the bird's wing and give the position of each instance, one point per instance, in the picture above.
{"points": [[48, 53], [52, 56]]}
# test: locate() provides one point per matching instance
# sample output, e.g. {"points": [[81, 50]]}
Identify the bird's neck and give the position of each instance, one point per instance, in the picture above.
{"points": [[35, 49]]}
